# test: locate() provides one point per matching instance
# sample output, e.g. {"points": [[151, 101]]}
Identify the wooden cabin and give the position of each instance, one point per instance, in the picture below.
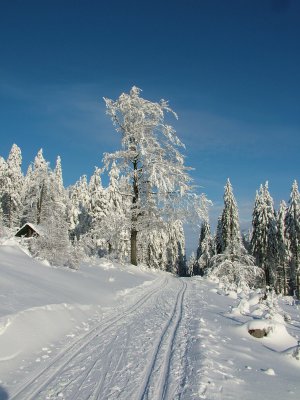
{"points": [[28, 230]]}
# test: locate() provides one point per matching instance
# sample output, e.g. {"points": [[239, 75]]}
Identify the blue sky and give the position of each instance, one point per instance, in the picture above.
{"points": [[230, 69]]}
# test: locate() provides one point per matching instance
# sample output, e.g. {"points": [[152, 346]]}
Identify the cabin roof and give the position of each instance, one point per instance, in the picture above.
{"points": [[22, 231]]}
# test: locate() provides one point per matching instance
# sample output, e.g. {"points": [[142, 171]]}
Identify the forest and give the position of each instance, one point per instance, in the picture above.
{"points": [[139, 216]]}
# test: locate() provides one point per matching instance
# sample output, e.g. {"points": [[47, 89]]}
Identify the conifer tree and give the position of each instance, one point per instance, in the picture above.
{"points": [[12, 188], [98, 211], [205, 250], [264, 235], [229, 224], [83, 199], [53, 243], [218, 237], [233, 266], [292, 230], [176, 260], [34, 189], [58, 173], [3, 169], [282, 271], [190, 264]]}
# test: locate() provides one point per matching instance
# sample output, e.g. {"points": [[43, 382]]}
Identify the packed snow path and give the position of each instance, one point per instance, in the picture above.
{"points": [[137, 353]]}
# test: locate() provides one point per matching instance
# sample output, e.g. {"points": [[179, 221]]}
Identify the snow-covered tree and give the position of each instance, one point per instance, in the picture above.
{"points": [[115, 226], [230, 235], [205, 250], [58, 173], [53, 242], [233, 266], [190, 264], [152, 245], [150, 159], [292, 230], [98, 211], [1, 223], [264, 235], [34, 189], [235, 270], [282, 268], [176, 260], [12, 188], [3, 169], [82, 202], [163, 247]]}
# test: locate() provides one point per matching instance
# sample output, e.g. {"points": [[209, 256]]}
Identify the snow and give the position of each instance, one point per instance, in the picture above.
{"points": [[112, 331]]}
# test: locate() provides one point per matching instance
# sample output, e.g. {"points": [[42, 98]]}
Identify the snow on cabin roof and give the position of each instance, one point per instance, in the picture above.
{"points": [[38, 229]]}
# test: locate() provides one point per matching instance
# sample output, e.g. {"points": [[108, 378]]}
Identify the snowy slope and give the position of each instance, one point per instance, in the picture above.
{"points": [[42, 305], [120, 332]]}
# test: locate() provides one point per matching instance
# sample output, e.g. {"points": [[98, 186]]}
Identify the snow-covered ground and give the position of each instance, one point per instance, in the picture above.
{"points": [[110, 331]]}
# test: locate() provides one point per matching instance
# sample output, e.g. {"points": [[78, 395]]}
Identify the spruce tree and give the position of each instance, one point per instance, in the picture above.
{"points": [[232, 264], [282, 271], [229, 224], [292, 230], [53, 243], [12, 188], [35, 189], [204, 250], [264, 235]]}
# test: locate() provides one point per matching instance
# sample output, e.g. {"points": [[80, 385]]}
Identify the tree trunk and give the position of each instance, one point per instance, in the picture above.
{"points": [[40, 204], [134, 216], [133, 242]]}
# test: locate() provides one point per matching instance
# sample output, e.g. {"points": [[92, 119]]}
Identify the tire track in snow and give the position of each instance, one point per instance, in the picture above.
{"points": [[155, 383], [37, 382]]}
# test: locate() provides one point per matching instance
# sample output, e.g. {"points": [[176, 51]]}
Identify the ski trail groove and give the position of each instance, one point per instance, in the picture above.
{"points": [[98, 390], [161, 358], [31, 388]]}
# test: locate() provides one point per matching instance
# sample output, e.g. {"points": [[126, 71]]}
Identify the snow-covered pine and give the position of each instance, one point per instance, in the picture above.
{"points": [[229, 225], [3, 168], [12, 181], [83, 203], [205, 250], [191, 264], [292, 230], [115, 225], [150, 159], [235, 270], [264, 235], [176, 260], [98, 199], [234, 266], [58, 173], [53, 243], [282, 268], [218, 236], [163, 247], [1, 223], [34, 189], [105, 211], [152, 247]]}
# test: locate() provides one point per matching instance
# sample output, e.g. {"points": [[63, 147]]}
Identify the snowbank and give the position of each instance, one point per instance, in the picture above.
{"points": [[42, 305]]}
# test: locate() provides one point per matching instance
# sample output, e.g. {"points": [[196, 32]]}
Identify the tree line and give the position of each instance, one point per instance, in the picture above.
{"points": [[139, 216], [267, 256]]}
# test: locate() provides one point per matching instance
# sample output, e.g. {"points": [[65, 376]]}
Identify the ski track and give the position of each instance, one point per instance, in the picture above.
{"points": [[131, 355], [155, 384], [31, 387]]}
